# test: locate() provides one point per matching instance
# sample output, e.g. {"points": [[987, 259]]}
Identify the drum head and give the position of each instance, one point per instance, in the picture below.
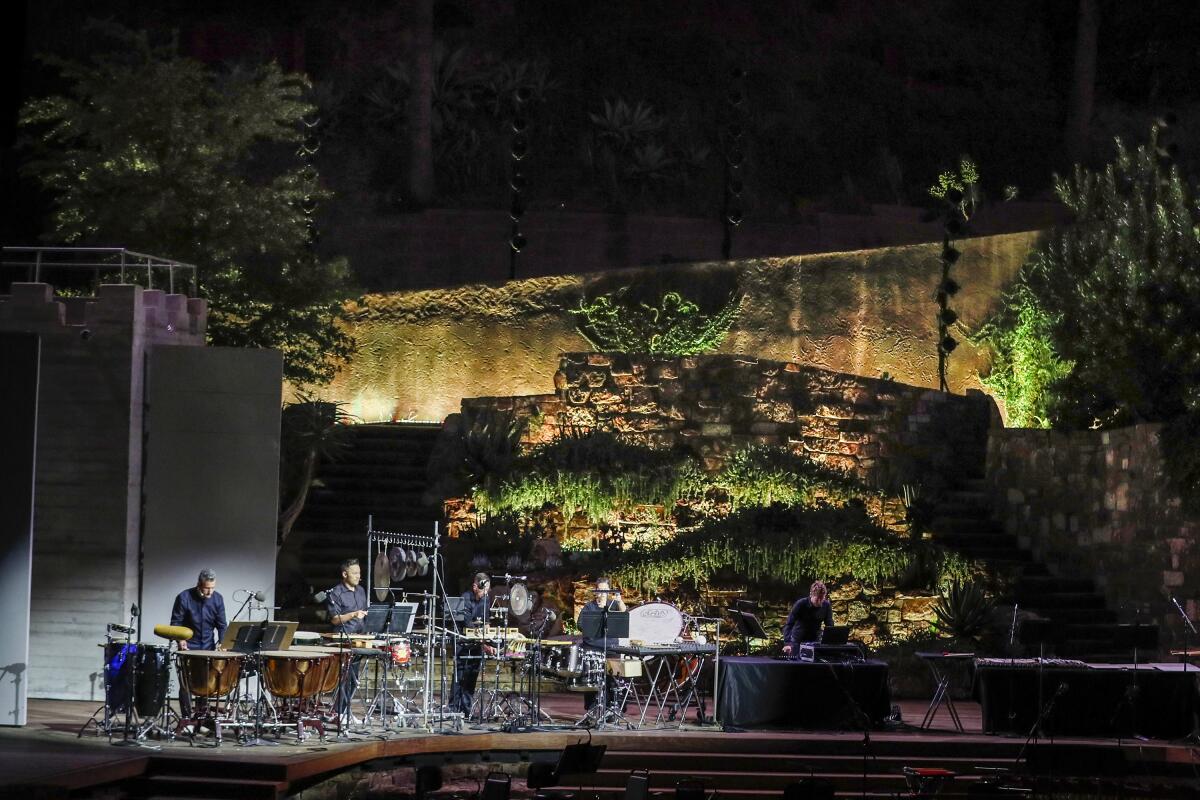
{"points": [[655, 622], [381, 576]]}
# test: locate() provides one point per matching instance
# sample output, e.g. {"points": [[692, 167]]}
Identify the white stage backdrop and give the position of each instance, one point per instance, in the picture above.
{"points": [[212, 475], [19, 360]]}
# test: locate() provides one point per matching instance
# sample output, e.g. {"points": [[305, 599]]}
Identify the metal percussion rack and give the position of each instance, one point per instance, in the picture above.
{"points": [[431, 545]]}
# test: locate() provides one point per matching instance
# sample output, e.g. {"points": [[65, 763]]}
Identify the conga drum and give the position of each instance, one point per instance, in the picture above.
{"points": [[295, 674], [209, 673]]}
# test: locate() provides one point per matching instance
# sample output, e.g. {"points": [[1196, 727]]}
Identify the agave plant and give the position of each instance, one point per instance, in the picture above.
{"points": [[963, 609]]}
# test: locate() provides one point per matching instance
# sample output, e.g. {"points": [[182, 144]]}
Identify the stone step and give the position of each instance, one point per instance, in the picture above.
{"points": [[948, 524], [1049, 601], [1051, 583]]}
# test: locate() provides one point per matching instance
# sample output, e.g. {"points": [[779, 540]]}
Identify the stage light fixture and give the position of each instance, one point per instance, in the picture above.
{"points": [[734, 216], [523, 94], [517, 243], [519, 124], [950, 255], [518, 182], [949, 286], [736, 186], [520, 147], [735, 156], [517, 209], [736, 97], [948, 316], [736, 130], [949, 343], [954, 226]]}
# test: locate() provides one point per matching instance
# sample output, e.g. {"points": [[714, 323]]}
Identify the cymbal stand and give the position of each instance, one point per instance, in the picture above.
{"points": [[384, 699], [103, 725]]}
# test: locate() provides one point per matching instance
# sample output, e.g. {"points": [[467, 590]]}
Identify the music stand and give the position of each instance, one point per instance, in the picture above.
{"points": [[591, 624], [402, 617], [748, 626], [1038, 632], [1137, 637], [251, 637]]}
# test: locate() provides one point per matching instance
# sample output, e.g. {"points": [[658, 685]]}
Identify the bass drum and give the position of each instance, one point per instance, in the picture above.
{"points": [[655, 623], [153, 666], [591, 672]]}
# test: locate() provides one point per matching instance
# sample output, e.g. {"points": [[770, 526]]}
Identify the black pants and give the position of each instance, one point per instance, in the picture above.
{"points": [[348, 686]]}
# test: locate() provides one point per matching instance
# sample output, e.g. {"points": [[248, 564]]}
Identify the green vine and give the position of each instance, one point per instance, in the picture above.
{"points": [[760, 475], [676, 326], [791, 545]]}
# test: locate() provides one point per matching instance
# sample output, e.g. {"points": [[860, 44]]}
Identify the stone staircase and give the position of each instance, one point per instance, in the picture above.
{"points": [[382, 473], [963, 521]]}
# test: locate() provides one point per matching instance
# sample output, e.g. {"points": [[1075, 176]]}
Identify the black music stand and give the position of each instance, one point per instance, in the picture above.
{"points": [[748, 626], [253, 637], [1038, 632], [1134, 637]]}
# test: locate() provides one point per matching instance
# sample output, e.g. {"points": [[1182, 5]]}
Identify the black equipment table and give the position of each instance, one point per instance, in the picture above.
{"points": [[1091, 701], [770, 693]]}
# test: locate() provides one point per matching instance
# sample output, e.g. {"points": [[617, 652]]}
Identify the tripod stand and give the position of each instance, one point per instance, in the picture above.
{"points": [[1188, 627]]}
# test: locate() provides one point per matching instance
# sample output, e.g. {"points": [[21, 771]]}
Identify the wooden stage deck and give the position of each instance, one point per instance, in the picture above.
{"points": [[738, 765]]}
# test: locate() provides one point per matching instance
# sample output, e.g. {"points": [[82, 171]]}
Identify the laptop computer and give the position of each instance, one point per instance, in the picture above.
{"points": [[835, 634]]}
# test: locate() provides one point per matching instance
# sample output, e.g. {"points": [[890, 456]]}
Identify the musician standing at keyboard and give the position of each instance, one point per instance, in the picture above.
{"points": [[806, 619], [602, 597], [467, 655]]}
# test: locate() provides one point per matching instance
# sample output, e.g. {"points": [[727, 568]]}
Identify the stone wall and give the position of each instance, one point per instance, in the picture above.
{"points": [[1097, 503], [865, 313], [87, 513], [883, 432]]}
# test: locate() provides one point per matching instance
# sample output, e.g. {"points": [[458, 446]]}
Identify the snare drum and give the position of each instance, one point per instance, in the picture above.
{"points": [[591, 671], [209, 673], [400, 652], [291, 674]]}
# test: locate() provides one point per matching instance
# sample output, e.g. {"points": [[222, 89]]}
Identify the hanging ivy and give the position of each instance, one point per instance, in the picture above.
{"points": [[782, 544], [676, 326]]}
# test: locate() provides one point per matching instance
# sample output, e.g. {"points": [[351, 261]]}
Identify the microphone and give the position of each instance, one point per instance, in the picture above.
{"points": [[133, 611], [319, 597], [550, 615], [114, 626]]}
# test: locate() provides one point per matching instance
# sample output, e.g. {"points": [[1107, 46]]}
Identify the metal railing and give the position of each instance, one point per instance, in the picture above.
{"points": [[35, 260]]}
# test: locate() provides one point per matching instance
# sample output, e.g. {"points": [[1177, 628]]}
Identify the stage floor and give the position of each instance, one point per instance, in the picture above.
{"points": [[47, 750]]}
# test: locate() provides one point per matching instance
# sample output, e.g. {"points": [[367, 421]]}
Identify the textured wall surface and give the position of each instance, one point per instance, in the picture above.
{"points": [[1098, 502], [864, 313], [87, 502]]}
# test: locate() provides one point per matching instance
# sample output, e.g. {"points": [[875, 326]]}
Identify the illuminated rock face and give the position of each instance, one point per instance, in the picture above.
{"points": [[866, 313]]}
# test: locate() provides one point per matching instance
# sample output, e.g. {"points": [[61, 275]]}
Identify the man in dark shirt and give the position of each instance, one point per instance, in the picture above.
{"points": [[468, 654], [602, 597], [806, 619], [347, 607], [202, 609]]}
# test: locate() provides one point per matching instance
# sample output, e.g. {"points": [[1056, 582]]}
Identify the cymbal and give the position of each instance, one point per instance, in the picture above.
{"points": [[557, 642], [1191, 651]]}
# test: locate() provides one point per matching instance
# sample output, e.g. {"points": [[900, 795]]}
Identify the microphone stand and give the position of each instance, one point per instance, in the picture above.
{"points": [[132, 651], [344, 692]]}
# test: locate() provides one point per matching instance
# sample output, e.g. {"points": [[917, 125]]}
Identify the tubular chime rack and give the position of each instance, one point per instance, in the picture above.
{"points": [[430, 544]]}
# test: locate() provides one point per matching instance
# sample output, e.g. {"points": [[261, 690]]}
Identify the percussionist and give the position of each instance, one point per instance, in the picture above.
{"points": [[346, 604], [603, 596], [202, 609], [807, 618], [476, 604]]}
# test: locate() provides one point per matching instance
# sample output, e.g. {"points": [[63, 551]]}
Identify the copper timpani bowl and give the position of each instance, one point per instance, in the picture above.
{"points": [[336, 663], [209, 673], [295, 674]]}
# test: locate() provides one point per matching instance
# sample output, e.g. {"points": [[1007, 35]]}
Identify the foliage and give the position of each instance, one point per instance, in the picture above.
{"points": [[310, 431], [959, 186], [165, 155], [760, 475], [789, 544], [963, 609], [594, 473], [1119, 294], [676, 326], [1024, 361]]}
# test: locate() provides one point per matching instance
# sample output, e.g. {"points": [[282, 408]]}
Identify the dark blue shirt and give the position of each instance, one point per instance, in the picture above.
{"points": [[477, 610], [206, 618], [805, 621], [342, 600]]}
